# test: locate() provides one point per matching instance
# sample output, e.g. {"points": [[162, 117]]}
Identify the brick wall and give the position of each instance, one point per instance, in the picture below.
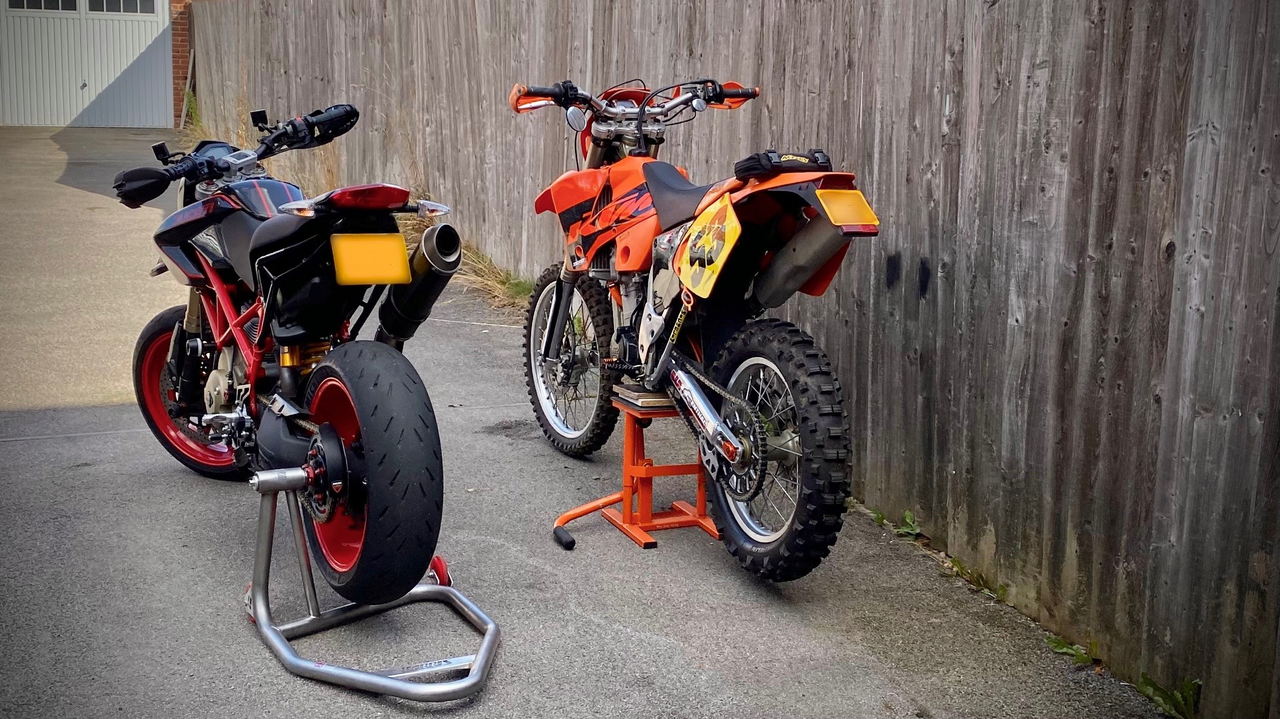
{"points": [[180, 19]]}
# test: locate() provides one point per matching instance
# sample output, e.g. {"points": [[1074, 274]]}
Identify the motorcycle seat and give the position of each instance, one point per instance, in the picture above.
{"points": [[674, 197]]}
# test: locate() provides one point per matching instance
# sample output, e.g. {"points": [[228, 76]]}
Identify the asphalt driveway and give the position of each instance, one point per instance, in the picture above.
{"points": [[122, 572]]}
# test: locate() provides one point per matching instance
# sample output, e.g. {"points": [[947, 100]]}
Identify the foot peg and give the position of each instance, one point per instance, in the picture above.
{"points": [[425, 681]]}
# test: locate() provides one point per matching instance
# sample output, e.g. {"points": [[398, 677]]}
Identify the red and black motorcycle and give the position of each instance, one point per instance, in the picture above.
{"points": [[663, 286], [262, 369]]}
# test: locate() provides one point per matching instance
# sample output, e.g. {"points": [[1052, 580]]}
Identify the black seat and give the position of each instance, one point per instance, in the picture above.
{"points": [[674, 197]]}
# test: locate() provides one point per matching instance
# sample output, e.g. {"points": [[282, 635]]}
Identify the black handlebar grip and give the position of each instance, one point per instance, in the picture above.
{"points": [[338, 114], [553, 92], [323, 126], [180, 169], [746, 92]]}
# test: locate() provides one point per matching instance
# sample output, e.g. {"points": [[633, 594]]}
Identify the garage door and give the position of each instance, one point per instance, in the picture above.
{"points": [[98, 63]]}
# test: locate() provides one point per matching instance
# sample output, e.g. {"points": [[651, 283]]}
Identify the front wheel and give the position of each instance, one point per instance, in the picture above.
{"points": [[375, 541], [156, 391], [786, 529], [572, 396]]}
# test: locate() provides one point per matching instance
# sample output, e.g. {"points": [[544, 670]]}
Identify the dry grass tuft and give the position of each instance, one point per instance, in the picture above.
{"points": [[503, 289]]}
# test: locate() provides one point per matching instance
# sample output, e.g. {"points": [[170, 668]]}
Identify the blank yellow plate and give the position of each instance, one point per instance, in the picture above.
{"points": [[370, 259], [847, 207]]}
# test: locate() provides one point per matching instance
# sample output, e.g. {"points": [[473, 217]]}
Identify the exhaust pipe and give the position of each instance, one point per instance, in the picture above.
{"points": [[432, 265], [804, 254]]}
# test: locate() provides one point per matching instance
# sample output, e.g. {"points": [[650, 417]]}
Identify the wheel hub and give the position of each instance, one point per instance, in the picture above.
{"points": [[744, 477], [329, 475]]}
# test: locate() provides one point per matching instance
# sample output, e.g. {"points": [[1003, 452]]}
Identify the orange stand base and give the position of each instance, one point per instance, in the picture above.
{"points": [[637, 517]]}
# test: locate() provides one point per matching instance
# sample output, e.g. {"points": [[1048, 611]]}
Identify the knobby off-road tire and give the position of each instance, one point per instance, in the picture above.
{"points": [[391, 417], [582, 435], [820, 433], [154, 391]]}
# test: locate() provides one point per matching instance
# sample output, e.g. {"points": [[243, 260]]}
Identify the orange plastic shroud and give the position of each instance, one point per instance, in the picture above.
{"points": [[637, 518]]}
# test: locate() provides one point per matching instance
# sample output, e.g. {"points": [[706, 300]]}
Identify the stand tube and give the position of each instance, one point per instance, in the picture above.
{"points": [[391, 682]]}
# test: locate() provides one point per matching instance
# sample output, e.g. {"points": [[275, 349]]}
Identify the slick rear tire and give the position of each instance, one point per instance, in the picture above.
{"points": [[373, 397]]}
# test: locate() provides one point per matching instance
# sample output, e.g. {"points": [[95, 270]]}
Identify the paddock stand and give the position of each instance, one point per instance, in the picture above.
{"points": [[430, 686]]}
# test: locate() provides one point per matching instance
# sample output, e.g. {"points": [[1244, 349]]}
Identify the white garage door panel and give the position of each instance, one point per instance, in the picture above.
{"points": [[41, 79], [97, 69], [129, 78]]}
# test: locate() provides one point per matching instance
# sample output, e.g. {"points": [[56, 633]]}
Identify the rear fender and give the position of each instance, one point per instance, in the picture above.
{"points": [[830, 198]]}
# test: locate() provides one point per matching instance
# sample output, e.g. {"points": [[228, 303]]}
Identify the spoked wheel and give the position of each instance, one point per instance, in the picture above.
{"points": [[783, 531], [154, 387], [372, 529], [571, 396]]}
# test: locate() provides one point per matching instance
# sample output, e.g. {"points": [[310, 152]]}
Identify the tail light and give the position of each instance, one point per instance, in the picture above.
{"points": [[367, 197], [361, 197]]}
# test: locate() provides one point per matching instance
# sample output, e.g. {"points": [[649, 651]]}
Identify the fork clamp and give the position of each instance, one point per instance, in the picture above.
{"points": [[424, 682]]}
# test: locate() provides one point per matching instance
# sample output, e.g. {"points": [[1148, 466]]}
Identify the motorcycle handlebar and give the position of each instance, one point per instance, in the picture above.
{"points": [[525, 98], [553, 93]]}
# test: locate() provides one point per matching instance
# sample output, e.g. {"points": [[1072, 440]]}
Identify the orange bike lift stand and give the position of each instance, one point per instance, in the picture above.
{"points": [[637, 517], [423, 682]]}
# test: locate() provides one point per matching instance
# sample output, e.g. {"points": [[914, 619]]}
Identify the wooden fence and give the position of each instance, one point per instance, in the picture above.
{"points": [[1063, 351]]}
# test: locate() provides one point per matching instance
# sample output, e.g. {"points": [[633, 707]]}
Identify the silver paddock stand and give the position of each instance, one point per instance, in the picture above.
{"points": [[429, 686]]}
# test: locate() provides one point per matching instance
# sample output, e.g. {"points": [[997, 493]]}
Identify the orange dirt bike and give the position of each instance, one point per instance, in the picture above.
{"points": [[664, 284]]}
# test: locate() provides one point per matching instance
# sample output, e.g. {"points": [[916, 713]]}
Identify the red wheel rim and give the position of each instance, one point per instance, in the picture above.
{"points": [[158, 399], [342, 537]]}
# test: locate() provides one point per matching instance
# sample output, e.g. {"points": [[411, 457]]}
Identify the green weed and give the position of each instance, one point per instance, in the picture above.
{"points": [[1180, 703]]}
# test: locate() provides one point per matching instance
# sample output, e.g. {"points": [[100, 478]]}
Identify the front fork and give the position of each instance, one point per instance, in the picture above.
{"points": [[561, 304], [185, 352]]}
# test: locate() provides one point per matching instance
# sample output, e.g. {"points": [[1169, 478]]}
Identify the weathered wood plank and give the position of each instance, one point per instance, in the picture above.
{"points": [[1063, 351]]}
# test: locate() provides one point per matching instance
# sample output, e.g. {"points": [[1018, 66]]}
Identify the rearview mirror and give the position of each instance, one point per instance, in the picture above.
{"points": [[258, 118], [576, 118]]}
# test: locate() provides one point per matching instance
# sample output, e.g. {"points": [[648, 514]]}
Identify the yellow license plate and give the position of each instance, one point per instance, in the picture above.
{"points": [[370, 259], [847, 207]]}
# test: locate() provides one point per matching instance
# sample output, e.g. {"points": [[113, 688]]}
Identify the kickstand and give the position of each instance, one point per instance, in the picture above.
{"points": [[392, 682]]}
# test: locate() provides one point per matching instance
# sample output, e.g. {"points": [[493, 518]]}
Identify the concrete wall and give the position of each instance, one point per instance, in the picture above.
{"points": [[1063, 351]]}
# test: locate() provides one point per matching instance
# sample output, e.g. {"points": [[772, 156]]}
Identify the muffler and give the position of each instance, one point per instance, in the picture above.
{"points": [[804, 254], [432, 265]]}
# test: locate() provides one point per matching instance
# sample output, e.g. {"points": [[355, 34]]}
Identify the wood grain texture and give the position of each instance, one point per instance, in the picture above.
{"points": [[1062, 352]]}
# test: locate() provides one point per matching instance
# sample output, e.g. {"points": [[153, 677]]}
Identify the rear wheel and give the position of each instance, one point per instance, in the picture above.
{"points": [[155, 389], [571, 397], [785, 530], [374, 541]]}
